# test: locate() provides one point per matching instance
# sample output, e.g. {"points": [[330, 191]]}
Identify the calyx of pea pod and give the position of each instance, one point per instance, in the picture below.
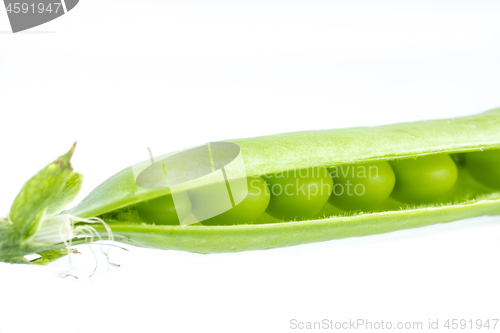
{"points": [[35, 223]]}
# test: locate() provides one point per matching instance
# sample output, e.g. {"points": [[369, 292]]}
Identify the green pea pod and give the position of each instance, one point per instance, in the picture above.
{"points": [[323, 148]]}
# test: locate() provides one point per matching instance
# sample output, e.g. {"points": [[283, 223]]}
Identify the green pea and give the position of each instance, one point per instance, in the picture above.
{"points": [[298, 194], [162, 210], [484, 166], [361, 187], [249, 209], [423, 179]]}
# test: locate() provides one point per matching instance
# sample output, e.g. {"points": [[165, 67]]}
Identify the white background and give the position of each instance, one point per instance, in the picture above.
{"points": [[119, 76]]}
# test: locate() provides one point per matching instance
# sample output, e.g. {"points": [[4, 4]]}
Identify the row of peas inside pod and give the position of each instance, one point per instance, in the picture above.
{"points": [[315, 192]]}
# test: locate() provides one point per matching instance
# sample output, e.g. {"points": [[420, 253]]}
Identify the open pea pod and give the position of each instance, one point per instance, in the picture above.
{"points": [[118, 198]]}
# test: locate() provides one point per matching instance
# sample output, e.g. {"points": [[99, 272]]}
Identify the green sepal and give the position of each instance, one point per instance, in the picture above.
{"points": [[68, 194], [50, 256], [16, 260], [10, 247], [41, 191]]}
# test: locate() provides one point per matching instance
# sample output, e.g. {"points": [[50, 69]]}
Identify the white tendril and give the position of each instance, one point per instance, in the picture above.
{"points": [[65, 227]]}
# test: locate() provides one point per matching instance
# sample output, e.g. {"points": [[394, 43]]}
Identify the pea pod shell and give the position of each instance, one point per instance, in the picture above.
{"points": [[288, 151]]}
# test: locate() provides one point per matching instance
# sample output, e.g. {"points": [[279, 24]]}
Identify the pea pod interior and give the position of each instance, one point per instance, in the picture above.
{"points": [[460, 195]]}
